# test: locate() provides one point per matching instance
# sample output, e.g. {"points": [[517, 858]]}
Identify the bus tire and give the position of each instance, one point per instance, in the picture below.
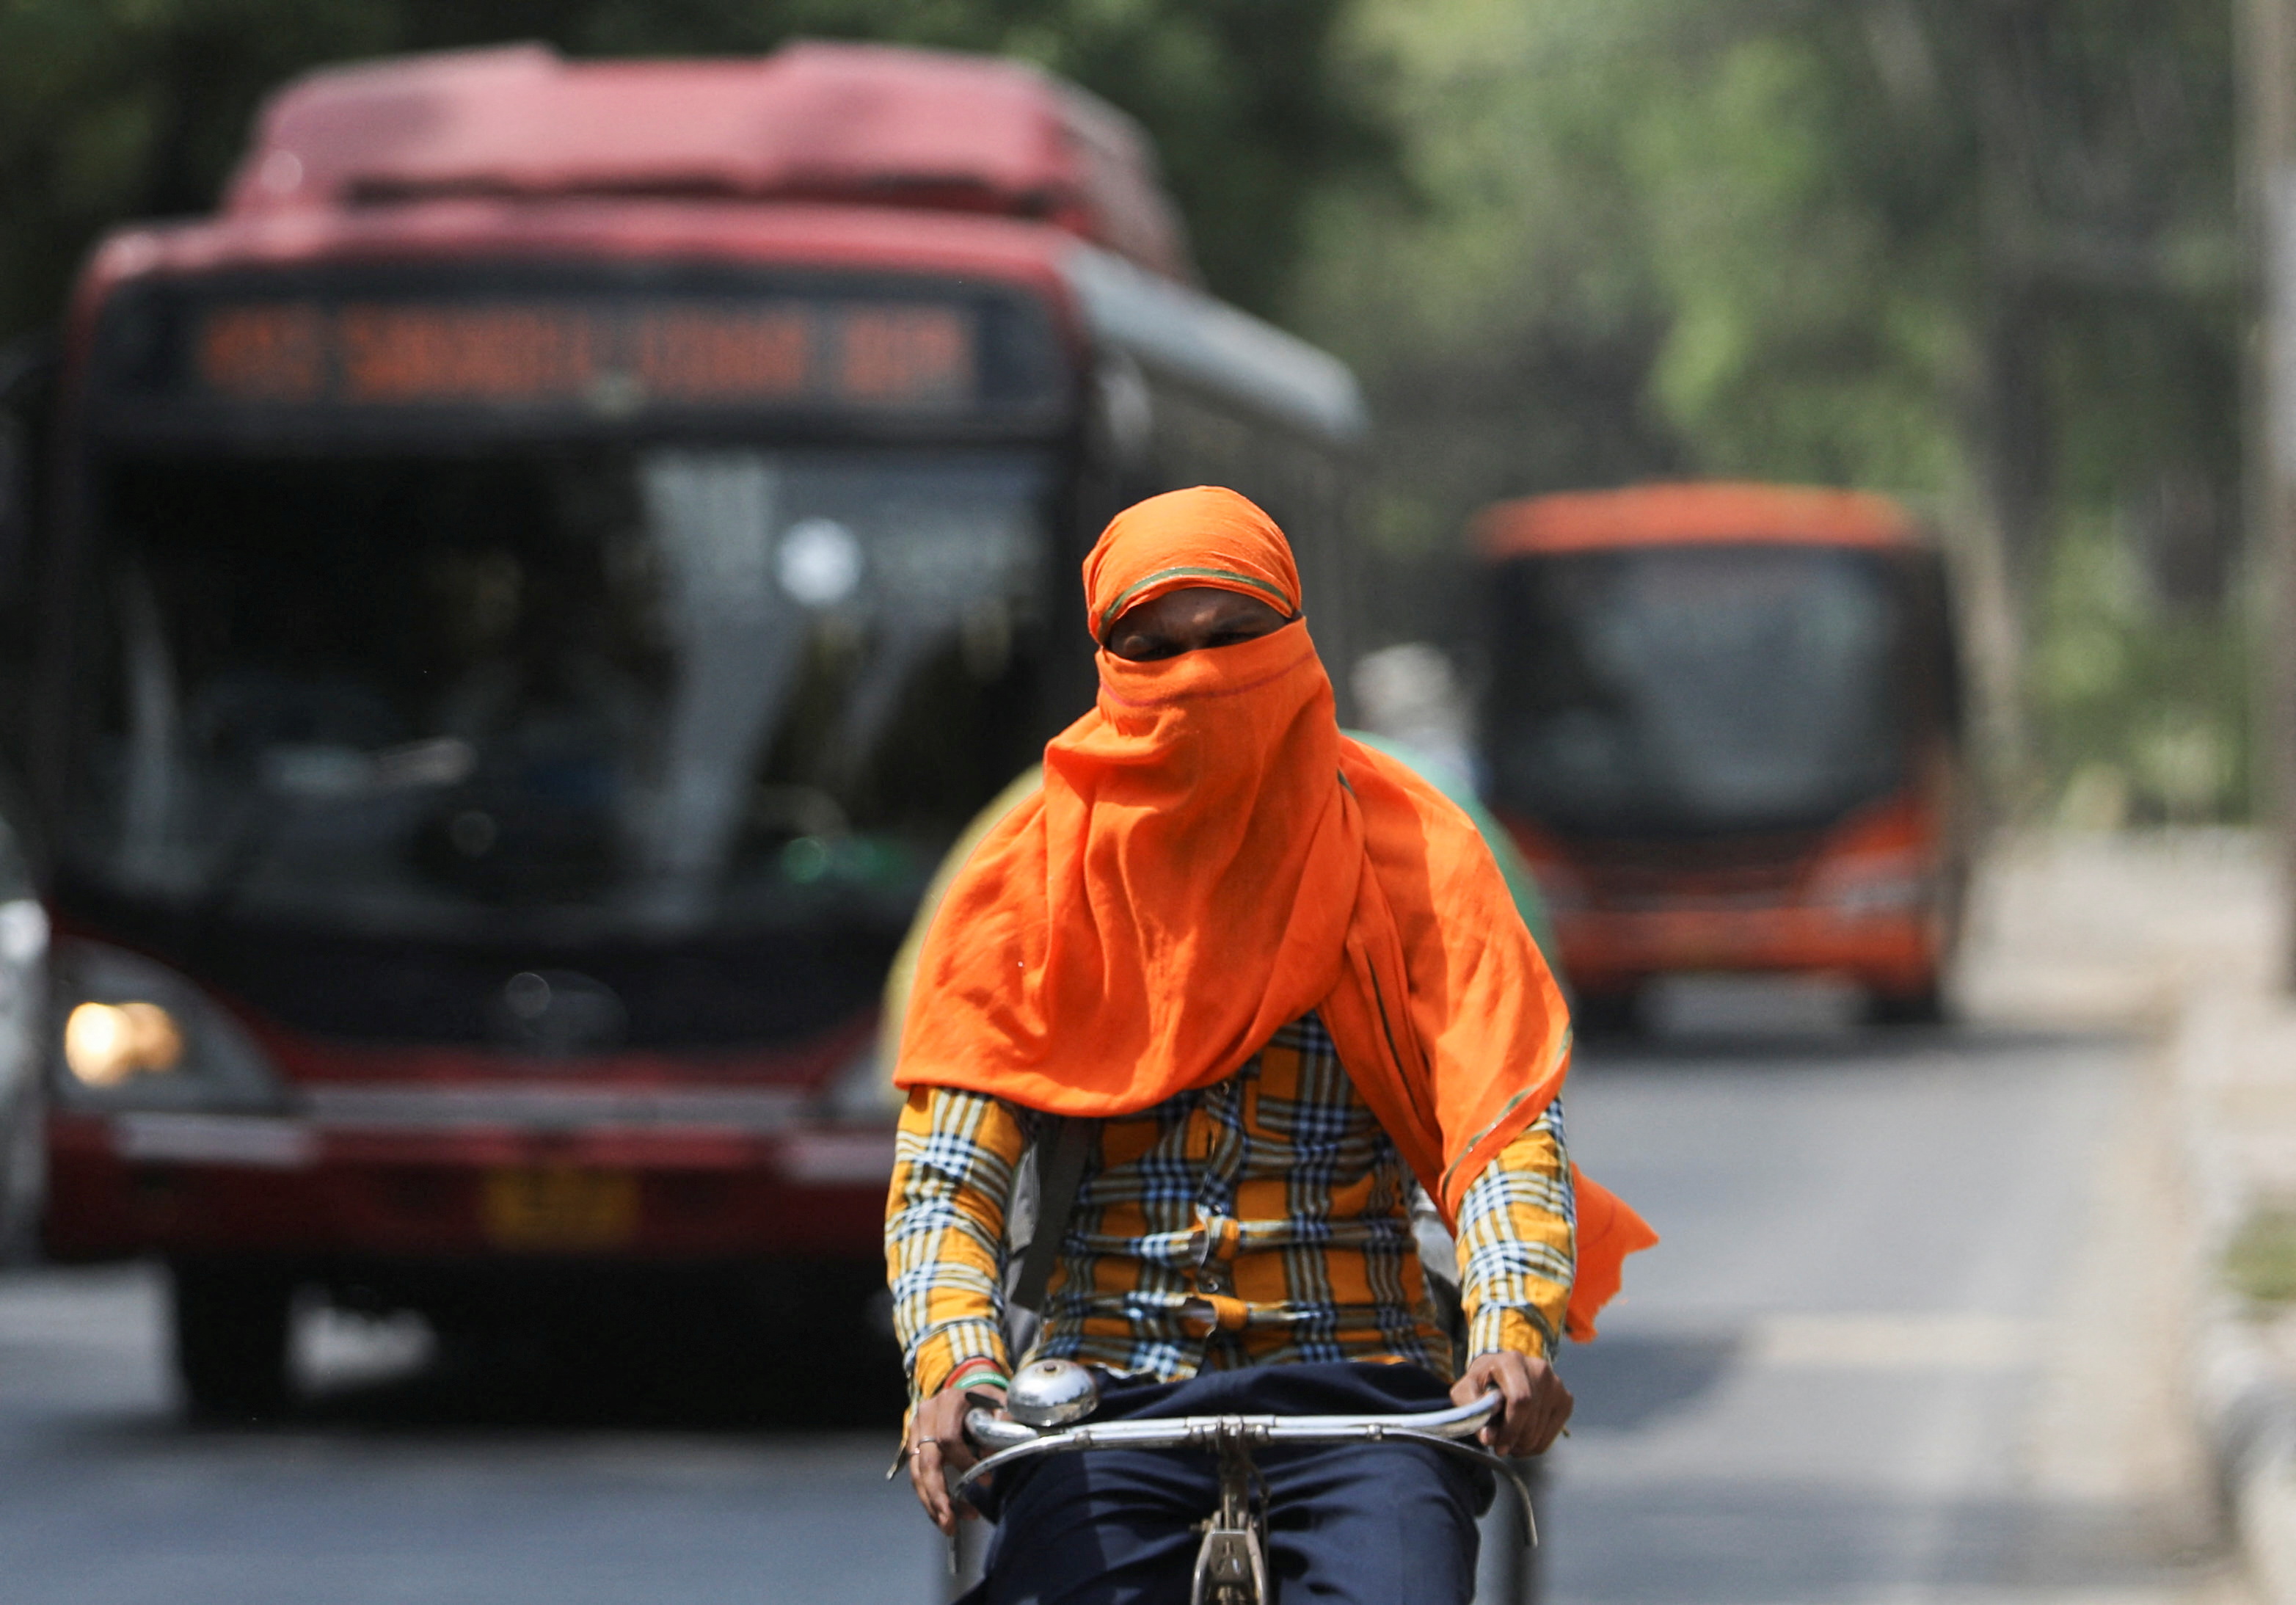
{"points": [[1924, 1006], [1609, 1013], [231, 1332]]}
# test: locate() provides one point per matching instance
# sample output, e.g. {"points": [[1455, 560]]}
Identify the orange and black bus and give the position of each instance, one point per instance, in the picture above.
{"points": [[1724, 722]]}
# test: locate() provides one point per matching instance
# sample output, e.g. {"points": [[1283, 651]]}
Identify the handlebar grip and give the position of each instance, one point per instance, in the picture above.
{"points": [[992, 1433]]}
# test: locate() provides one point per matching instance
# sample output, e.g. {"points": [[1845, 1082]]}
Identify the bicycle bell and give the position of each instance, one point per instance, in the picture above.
{"points": [[1051, 1392]]}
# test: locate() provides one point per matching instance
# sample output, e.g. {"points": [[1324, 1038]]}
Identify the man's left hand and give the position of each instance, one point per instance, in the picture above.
{"points": [[1537, 1408]]}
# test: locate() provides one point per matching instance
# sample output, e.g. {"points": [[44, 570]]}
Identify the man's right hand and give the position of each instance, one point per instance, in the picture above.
{"points": [[938, 1451], [1535, 1406]]}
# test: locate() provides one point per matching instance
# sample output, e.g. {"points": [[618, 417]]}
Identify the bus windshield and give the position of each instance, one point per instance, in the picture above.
{"points": [[1675, 691], [647, 686]]}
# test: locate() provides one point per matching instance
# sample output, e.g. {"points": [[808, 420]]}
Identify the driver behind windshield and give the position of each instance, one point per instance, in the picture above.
{"points": [[1282, 977]]}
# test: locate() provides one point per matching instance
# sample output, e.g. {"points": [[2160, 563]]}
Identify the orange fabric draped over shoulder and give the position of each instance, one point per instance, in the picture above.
{"points": [[1208, 860]]}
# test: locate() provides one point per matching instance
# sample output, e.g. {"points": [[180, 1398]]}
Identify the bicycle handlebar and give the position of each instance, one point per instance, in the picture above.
{"points": [[1012, 1441], [1178, 1432]]}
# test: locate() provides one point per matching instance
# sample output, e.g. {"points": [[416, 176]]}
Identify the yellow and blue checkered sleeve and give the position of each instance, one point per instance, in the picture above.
{"points": [[1518, 1243], [953, 1168]]}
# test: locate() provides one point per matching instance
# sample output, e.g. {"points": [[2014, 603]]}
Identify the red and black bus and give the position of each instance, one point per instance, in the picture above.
{"points": [[528, 593], [1724, 722]]}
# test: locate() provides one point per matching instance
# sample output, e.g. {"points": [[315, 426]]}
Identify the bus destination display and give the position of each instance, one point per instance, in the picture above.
{"points": [[878, 355]]}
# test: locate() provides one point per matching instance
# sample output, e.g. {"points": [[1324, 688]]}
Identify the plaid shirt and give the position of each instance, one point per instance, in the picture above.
{"points": [[1263, 1220]]}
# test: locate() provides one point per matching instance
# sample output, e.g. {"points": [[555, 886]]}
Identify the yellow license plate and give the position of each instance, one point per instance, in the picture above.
{"points": [[558, 1206]]}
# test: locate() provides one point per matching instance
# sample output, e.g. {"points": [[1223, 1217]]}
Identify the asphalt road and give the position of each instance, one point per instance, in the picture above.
{"points": [[1909, 1338], [1911, 1334]]}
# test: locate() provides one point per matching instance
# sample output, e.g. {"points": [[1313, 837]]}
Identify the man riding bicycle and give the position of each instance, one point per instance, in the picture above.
{"points": [[1278, 976]]}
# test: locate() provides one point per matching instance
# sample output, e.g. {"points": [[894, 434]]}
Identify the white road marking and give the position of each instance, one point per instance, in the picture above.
{"points": [[1948, 1340]]}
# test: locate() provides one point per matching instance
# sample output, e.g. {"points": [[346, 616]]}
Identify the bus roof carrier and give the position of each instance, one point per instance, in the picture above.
{"points": [[1668, 513], [856, 124]]}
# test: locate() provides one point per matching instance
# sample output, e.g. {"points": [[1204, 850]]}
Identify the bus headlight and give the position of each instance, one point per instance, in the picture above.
{"points": [[136, 1036], [105, 1043]]}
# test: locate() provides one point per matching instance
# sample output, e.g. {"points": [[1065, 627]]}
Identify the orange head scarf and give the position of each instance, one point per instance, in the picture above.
{"points": [[1208, 860]]}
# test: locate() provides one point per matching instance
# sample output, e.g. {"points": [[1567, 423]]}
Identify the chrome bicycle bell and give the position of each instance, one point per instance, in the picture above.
{"points": [[1051, 1392]]}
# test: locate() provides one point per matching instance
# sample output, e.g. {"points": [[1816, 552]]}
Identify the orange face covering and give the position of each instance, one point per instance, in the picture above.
{"points": [[1208, 860]]}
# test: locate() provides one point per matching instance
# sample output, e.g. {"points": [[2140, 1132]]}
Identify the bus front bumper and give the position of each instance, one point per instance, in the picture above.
{"points": [[121, 1184], [1894, 952]]}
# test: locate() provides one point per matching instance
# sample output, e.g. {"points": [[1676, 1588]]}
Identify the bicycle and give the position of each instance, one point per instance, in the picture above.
{"points": [[1049, 1400]]}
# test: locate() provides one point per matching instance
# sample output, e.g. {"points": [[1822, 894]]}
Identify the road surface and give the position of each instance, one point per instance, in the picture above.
{"points": [[1911, 1334], [1909, 1338]]}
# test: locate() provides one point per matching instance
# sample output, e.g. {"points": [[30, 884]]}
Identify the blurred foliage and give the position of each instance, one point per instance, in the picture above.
{"points": [[113, 109], [2143, 708], [2261, 1261], [1980, 253]]}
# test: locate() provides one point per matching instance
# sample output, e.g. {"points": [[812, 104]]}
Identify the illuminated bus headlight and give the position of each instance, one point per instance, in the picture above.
{"points": [[136, 1035], [107, 1043]]}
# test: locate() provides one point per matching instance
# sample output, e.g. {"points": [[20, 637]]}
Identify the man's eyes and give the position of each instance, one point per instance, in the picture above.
{"points": [[1146, 648], [1141, 648]]}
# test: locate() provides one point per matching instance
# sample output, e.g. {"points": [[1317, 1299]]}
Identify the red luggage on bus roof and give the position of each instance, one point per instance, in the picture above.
{"points": [[1669, 514], [866, 124]]}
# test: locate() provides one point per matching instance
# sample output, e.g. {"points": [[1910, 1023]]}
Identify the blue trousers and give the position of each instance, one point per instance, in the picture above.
{"points": [[1350, 1524]]}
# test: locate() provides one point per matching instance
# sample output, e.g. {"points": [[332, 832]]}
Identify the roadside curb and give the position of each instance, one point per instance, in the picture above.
{"points": [[2247, 1409]]}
